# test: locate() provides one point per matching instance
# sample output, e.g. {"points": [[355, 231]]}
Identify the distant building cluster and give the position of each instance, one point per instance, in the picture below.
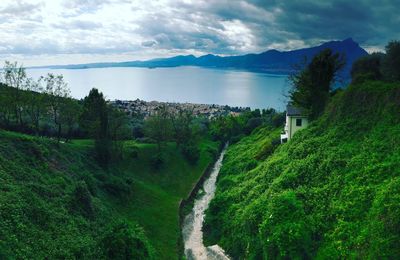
{"points": [[144, 109]]}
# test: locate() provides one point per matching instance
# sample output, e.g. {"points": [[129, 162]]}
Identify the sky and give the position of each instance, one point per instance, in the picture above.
{"points": [[47, 32]]}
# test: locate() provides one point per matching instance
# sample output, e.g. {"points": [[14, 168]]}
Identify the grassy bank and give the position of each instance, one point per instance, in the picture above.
{"points": [[333, 191], [43, 211], [157, 194]]}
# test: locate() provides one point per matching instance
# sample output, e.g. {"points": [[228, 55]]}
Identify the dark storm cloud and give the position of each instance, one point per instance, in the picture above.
{"points": [[283, 24], [371, 23], [149, 28]]}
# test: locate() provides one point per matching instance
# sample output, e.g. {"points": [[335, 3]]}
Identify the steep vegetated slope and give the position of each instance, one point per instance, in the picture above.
{"points": [[333, 191], [56, 202], [52, 203]]}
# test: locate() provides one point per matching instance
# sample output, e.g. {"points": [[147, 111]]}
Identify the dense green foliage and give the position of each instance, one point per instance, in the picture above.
{"points": [[391, 61], [95, 121], [333, 191], [378, 66], [42, 107], [53, 200], [233, 128], [56, 202], [367, 68], [312, 85]]}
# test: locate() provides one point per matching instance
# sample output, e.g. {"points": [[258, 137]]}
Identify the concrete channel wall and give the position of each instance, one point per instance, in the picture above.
{"points": [[190, 198]]}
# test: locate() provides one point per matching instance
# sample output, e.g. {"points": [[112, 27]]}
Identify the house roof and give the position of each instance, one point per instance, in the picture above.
{"points": [[294, 111]]}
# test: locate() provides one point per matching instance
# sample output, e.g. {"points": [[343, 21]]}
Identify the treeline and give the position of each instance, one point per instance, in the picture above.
{"points": [[44, 107], [379, 66], [233, 128], [186, 130], [41, 107]]}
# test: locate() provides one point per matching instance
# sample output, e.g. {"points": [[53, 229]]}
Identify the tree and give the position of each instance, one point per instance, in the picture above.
{"points": [[312, 85], [181, 124], [94, 119], [34, 102], [6, 108], [118, 127], [158, 127], [70, 111], [57, 92], [186, 134], [15, 77], [368, 67], [391, 62]]}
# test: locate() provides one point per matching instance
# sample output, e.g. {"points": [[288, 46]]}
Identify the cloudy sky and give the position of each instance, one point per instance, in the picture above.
{"points": [[42, 32]]}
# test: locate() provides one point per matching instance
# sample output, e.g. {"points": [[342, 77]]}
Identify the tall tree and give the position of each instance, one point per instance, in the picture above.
{"points": [[94, 119], [57, 92], [34, 102], [70, 111], [391, 64], [182, 126], [311, 86], [6, 108], [15, 76], [158, 127], [118, 127]]}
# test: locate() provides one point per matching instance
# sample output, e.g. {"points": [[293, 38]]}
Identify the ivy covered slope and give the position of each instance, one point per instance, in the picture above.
{"points": [[56, 202], [53, 203], [333, 191]]}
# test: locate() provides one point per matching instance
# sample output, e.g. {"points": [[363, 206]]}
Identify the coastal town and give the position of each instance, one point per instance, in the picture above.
{"points": [[144, 109]]}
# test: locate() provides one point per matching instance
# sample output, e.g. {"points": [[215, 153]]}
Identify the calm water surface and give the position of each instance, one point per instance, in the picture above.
{"points": [[180, 84]]}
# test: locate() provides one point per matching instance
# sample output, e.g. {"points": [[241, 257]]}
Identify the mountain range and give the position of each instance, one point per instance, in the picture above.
{"points": [[271, 61]]}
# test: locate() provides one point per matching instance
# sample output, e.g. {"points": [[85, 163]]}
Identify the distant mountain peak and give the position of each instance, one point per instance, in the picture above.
{"points": [[349, 40], [271, 61]]}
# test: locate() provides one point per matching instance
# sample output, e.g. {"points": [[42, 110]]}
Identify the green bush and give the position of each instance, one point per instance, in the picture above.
{"points": [[118, 186], [157, 161], [191, 152], [81, 201], [125, 241]]}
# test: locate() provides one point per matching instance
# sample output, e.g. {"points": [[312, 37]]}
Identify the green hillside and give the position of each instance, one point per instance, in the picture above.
{"points": [[333, 191], [56, 202]]}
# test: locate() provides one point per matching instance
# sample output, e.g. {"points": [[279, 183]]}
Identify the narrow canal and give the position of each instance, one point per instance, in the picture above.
{"points": [[193, 222]]}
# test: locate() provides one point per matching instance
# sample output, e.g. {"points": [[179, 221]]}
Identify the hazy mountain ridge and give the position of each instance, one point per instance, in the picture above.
{"points": [[271, 61]]}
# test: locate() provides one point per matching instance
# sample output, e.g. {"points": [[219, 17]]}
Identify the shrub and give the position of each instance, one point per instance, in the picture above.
{"points": [[157, 161], [252, 124], [191, 152], [135, 152], [125, 241], [90, 183], [82, 200], [118, 186]]}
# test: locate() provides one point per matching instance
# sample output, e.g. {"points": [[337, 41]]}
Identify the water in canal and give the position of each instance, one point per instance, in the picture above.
{"points": [[193, 222]]}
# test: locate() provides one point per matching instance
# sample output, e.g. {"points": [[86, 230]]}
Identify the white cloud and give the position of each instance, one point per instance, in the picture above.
{"points": [[76, 31]]}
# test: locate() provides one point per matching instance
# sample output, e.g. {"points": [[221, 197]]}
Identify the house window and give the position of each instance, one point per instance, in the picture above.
{"points": [[298, 122]]}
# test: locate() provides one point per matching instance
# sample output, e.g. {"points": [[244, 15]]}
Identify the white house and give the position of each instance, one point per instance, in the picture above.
{"points": [[295, 120]]}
